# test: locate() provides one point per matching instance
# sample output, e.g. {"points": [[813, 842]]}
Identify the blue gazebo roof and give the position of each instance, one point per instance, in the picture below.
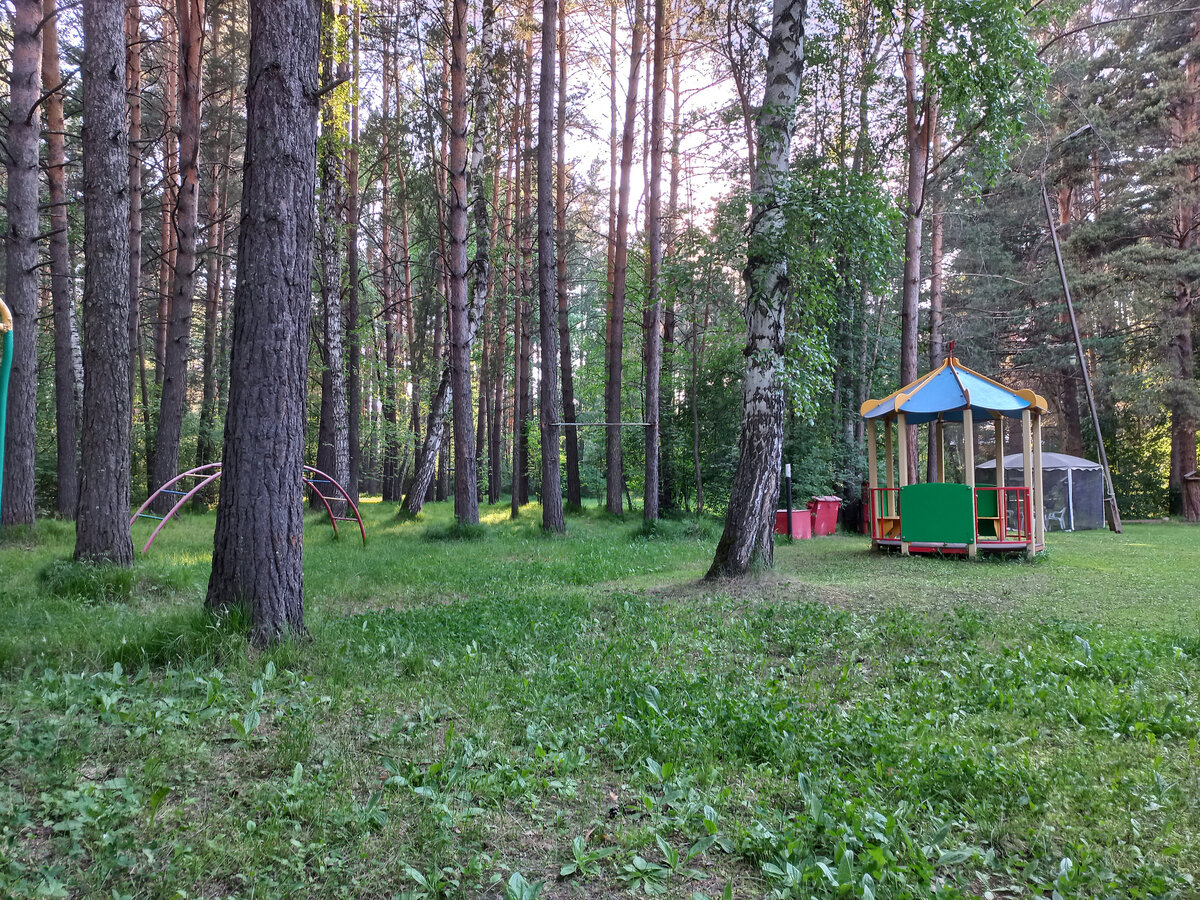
{"points": [[947, 391]]}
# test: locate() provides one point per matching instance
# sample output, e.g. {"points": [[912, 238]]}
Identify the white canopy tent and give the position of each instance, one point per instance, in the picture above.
{"points": [[1073, 496]]}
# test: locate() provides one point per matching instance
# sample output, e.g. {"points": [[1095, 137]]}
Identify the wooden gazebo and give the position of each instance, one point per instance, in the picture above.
{"points": [[955, 518]]}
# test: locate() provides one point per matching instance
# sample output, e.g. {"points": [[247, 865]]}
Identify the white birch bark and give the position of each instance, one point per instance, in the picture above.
{"points": [[749, 520]]}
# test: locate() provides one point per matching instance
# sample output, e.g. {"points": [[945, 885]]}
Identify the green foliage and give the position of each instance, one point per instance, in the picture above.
{"points": [[87, 582], [583, 708], [841, 235], [458, 531], [982, 64]]}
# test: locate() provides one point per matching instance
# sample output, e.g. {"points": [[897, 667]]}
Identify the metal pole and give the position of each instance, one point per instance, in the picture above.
{"points": [[6, 331], [788, 472], [1114, 515]]}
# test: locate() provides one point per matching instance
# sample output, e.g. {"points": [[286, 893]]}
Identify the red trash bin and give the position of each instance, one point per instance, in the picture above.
{"points": [[825, 511], [801, 523]]}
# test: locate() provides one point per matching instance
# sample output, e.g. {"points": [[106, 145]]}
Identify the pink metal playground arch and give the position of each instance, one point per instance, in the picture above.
{"points": [[210, 472]]}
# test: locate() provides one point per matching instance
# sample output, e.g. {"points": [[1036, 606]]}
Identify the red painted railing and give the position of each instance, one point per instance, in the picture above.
{"points": [[1015, 519], [1014, 522]]}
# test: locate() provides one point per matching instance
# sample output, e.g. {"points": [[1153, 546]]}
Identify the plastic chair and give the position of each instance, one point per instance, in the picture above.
{"points": [[1059, 517]]}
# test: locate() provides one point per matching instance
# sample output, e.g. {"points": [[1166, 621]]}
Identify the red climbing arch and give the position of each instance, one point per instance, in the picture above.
{"points": [[207, 474]]}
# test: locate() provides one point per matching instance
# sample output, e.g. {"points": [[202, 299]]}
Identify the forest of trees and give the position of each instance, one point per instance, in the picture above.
{"points": [[632, 253]]}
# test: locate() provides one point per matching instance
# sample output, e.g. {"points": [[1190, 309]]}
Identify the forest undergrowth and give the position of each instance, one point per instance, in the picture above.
{"points": [[506, 714]]}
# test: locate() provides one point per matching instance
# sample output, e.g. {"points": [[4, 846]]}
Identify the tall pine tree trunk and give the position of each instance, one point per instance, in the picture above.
{"points": [[519, 191], [350, 70], [66, 404], [658, 94], [528, 287], [391, 313], [170, 172], [206, 444], [751, 512], [190, 19], [669, 492], [552, 508], [571, 434], [333, 439], [917, 123], [936, 338], [1185, 393], [102, 531], [496, 452], [20, 271], [133, 92], [614, 465], [410, 327], [258, 544]]}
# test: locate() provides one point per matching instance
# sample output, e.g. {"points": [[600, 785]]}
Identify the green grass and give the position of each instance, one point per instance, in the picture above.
{"points": [[481, 710]]}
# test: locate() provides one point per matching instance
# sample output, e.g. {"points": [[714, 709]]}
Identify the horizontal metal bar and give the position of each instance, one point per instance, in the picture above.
{"points": [[599, 424], [148, 516]]}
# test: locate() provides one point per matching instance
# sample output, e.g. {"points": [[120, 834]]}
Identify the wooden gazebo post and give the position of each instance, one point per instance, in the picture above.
{"points": [[889, 459], [1000, 455], [1039, 517], [940, 438], [969, 465], [902, 462], [1027, 460], [872, 479]]}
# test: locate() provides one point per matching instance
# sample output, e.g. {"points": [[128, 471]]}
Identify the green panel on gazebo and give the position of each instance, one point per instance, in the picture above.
{"points": [[937, 513]]}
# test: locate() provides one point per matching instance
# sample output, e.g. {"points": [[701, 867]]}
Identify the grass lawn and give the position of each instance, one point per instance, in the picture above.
{"points": [[524, 716]]}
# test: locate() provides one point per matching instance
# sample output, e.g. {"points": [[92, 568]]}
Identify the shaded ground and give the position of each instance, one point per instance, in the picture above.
{"points": [[844, 725]]}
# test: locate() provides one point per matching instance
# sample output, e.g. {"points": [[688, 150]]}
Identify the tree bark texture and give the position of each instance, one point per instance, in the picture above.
{"points": [[391, 334], [133, 93], [20, 272], [333, 439], [258, 544], [427, 459], [189, 16], [936, 338], [526, 230], [658, 95], [466, 507], [496, 452], [66, 403], [917, 123], [353, 338], [520, 191], [750, 516], [552, 508], [466, 477], [614, 465], [1184, 393], [669, 492], [206, 445], [170, 171], [570, 434], [102, 530]]}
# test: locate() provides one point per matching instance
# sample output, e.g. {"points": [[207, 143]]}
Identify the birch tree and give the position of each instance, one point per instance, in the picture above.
{"points": [[748, 522]]}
